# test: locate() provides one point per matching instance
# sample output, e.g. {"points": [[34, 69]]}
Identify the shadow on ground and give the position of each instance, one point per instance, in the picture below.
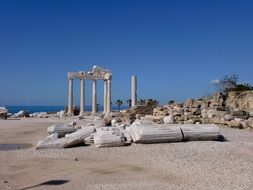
{"points": [[50, 182]]}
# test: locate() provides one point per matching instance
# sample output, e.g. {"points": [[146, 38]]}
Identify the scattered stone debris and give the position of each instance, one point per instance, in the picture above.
{"points": [[140, 131], [3, 113]]}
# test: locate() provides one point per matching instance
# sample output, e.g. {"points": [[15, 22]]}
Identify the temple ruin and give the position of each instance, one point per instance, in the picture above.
{"points": [[97, 73]]}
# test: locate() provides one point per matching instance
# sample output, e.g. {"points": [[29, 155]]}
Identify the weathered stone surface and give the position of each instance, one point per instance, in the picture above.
{"points": [[3, 113], [130, 114], [108, 139], [89, 140], [200, 132], [21, 113], [235, 124], [154, 133], [62, 114], [127, 136], [240, 101], [250, 123], [168, 120], [82, 133], [240, 114], [54, 143], [62, 129], [97, 122], [107, 128], [39, 114], [228, 117], [73, 139], [121, 126]]}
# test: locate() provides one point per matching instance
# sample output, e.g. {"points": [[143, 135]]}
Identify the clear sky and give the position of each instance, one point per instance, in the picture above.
{"points": [[176, 48]]}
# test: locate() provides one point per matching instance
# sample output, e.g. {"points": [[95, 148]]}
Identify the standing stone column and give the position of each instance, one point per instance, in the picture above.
{"points": [[108, 109], [105, 96], [82, 96], [94, 96], [70, 100], [134, 93]]}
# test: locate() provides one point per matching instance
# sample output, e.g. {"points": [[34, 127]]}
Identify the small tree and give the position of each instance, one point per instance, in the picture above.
{"points": [[229, 83], [129, 103], [142, 102], [171, 102], [152, 102], [119, 103]]}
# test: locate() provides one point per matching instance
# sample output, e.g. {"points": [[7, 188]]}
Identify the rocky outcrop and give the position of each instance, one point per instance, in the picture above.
{"points": [[233, 110], [240, 101]]}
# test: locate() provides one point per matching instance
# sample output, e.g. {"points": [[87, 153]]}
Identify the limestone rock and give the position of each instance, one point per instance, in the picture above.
{"points": [[3, 113], [168, 120], [235, 124], [62, 114], [21, 113], [250, 123], [130, 114], [240, 114], [240, 100], [228, 117]]}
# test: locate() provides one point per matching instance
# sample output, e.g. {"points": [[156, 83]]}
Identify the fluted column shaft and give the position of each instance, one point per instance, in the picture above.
{"points": [[134, 93], [108, 110], [94, 96], [105, 96], [82, 96], [70, 98]]}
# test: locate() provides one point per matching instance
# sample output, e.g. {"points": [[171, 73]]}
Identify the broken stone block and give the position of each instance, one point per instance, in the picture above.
{"points": [[108, 139], [154, 133], [62, 129], [200, 132]]}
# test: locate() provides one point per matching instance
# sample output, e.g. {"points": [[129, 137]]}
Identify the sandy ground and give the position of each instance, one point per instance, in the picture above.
{"points": [[187, 165]]}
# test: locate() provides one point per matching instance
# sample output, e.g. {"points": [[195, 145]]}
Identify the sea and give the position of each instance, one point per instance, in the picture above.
{"points": [[52, 109]]}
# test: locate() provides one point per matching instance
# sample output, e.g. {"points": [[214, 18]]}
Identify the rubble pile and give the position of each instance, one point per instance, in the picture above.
{"points": [[93, 130]]}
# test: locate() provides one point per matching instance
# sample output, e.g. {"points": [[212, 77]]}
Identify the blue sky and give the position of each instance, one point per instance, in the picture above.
{"points": [[176, 48]]}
